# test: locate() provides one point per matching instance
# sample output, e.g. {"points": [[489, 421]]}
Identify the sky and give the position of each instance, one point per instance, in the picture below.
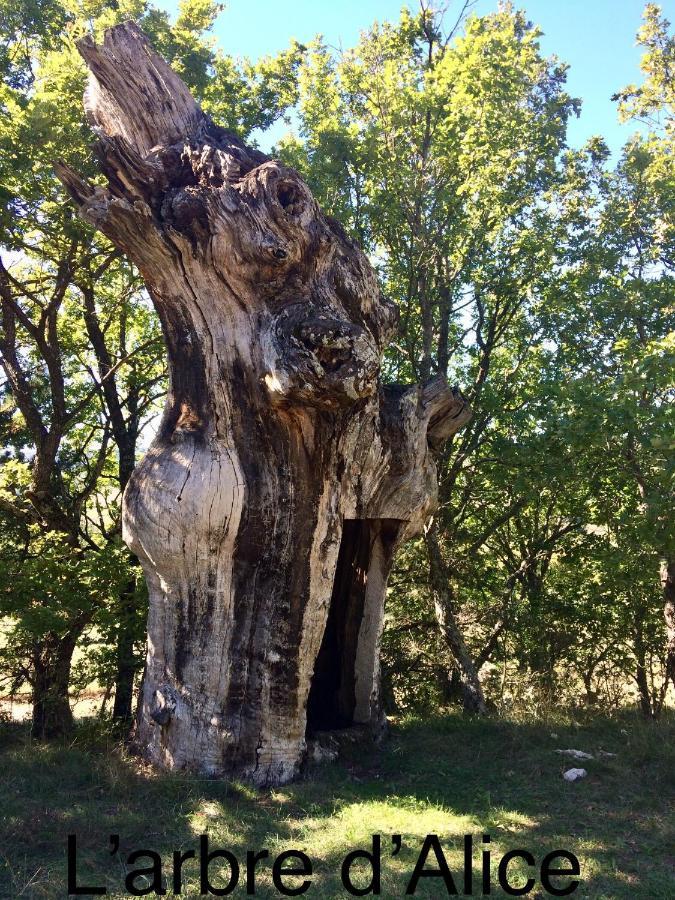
{"points": [[595, 37]]}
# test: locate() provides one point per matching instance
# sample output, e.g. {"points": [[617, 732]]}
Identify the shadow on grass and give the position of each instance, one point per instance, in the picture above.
{"points": [[449, 776]]}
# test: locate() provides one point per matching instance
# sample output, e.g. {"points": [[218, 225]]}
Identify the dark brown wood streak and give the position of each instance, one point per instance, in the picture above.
{"points": [[276, 431]]}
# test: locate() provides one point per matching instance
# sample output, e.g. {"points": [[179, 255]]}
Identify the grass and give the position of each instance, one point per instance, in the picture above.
{"points": [[449, 776]]}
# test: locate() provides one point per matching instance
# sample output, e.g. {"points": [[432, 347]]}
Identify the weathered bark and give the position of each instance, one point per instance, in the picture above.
{"points": [[283, 475]]}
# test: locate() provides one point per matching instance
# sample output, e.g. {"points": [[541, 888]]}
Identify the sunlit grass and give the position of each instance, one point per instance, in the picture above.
{"points": [[449, 777]]}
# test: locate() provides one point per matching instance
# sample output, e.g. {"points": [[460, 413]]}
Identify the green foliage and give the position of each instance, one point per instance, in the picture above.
{"points": [[654, 99], [44, 587], [538, 278]]}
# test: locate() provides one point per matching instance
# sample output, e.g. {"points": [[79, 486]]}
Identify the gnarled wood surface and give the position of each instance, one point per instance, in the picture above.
{"points": [[284, 474]]}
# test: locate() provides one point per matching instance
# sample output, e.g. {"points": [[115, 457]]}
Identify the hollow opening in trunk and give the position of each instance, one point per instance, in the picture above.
{"points": [[332, 695], [346, 668]]}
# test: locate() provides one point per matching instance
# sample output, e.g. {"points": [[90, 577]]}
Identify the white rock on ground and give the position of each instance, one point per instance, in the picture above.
{"points": [[575, 754]]}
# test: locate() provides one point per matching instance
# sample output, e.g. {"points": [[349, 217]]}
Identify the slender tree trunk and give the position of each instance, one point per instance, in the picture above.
{"points": [[284, 475], [668, 583], [106, 696], [124, 431], [389, 703], [450, 685], [126, 663], [644, 694], [472, 690], [591, 696], [128, 612]]}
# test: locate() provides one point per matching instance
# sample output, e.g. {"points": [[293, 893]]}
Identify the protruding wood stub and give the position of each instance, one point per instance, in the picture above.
{"points": [[132, 93]]}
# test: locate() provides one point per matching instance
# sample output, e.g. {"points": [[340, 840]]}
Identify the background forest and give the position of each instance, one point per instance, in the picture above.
{"points": [[539, 278]]}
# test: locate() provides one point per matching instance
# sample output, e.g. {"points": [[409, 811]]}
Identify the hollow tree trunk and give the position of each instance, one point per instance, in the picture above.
{"points": [[283, 475]]}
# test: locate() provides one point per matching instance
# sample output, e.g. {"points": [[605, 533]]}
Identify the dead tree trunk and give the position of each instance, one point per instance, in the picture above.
{"points": [[283, 476]]}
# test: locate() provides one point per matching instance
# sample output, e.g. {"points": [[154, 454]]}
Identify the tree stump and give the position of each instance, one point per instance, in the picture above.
{"points": [[284, 474]]}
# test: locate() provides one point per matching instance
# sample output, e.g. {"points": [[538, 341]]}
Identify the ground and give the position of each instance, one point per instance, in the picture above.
{"points": [[450, 776]]}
